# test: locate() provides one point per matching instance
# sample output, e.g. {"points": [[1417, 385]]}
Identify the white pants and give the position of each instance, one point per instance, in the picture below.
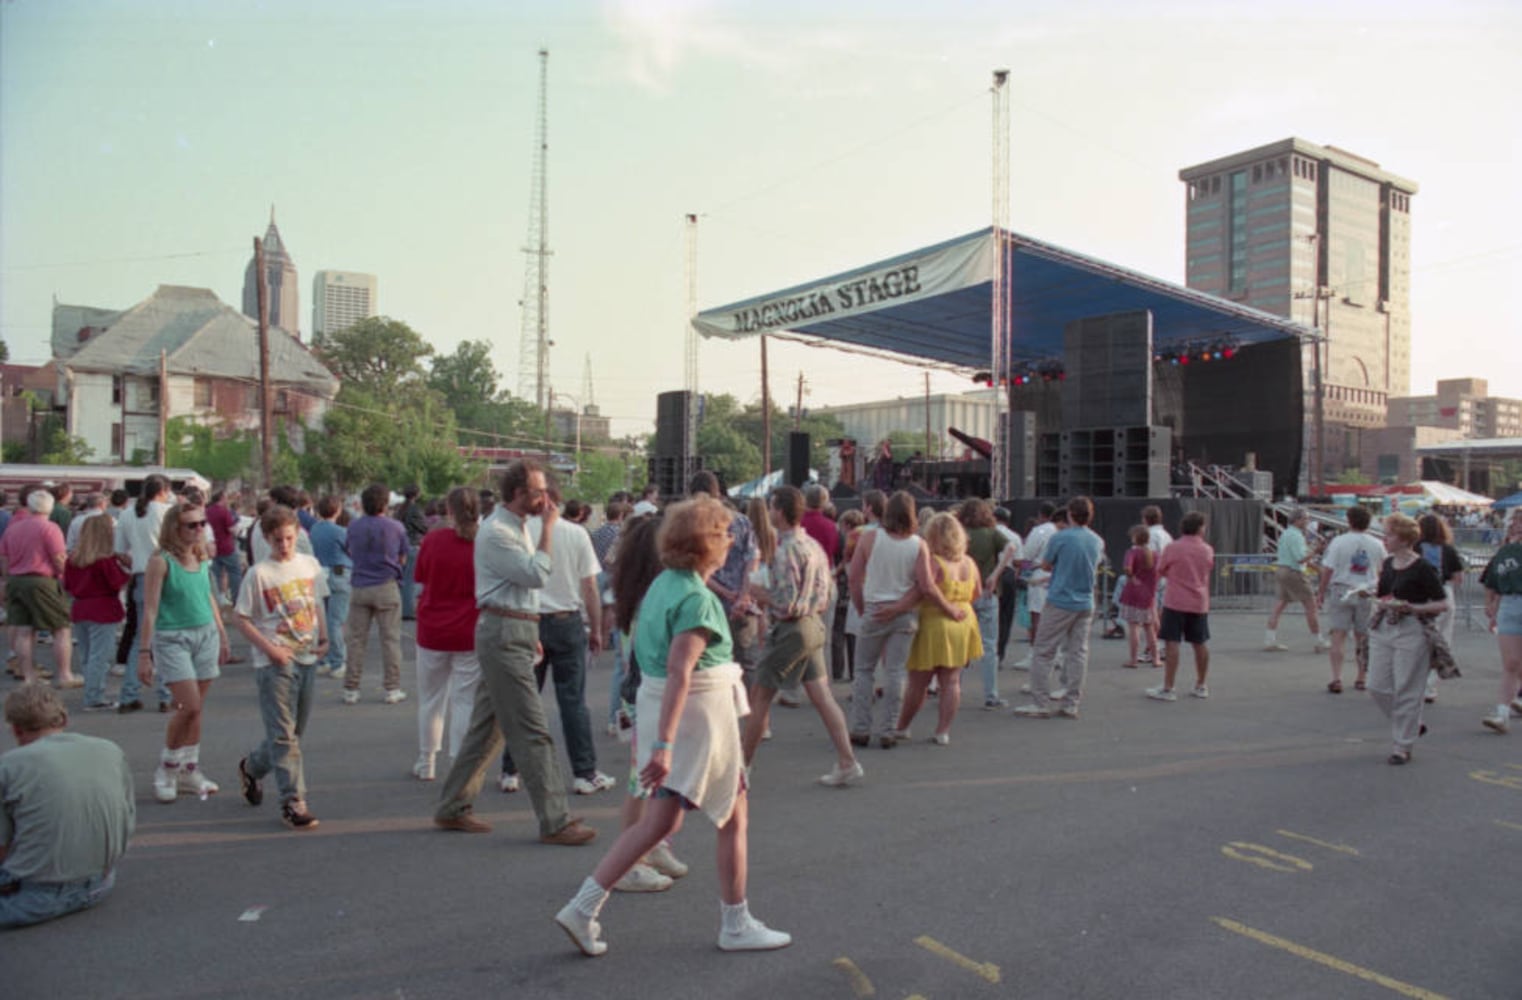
{"points": [[446, 682]]}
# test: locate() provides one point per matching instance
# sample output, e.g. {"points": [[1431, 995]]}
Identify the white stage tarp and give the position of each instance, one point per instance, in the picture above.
{"points": [[925, 274]]}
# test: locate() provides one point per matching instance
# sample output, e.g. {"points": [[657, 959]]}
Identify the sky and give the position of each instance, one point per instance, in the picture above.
{"points": [[145, 142]]}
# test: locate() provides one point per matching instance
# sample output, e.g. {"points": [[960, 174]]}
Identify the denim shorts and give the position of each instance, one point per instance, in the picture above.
{"points": [[187, 654], [1509, 617]]}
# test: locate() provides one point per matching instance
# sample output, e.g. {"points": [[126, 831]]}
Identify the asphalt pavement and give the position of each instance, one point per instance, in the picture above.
{"points": [[1251, 846]]}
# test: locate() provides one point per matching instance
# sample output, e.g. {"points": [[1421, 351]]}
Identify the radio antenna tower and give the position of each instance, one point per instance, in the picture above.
{"points": [[586, 384], [534, 350]]}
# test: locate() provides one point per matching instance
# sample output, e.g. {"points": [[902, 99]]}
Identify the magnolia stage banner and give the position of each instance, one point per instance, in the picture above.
{"points": [[934, 271]]}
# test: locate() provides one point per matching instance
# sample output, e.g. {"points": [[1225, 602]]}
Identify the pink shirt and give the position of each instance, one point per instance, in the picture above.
{"points": [[1187, 564], [32, 546]]}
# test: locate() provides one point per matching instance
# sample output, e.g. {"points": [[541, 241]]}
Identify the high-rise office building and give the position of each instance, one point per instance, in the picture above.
{"points": [[340, 299], [1322, 236], [280, 271]]}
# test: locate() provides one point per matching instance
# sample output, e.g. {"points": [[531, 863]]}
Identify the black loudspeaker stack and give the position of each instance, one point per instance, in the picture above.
{"points": [[797, 458]]}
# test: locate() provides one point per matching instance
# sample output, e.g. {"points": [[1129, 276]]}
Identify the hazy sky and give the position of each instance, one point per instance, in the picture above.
{"points": [[144, 142]]}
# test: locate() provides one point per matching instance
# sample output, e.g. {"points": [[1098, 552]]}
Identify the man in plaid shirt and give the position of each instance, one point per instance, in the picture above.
{"points": [[799, 594]]}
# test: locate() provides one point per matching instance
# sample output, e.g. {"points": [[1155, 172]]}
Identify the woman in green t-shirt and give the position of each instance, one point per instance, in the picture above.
{"points": [[690, 701]]}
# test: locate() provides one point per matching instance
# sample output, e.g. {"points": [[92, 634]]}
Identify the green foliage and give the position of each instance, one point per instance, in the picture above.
{"points": [[194, 445], [600, 474], [406, 437], [5, 352], [1351, 476], [15, 451], [379, 355], [470, 386], [729, 438], [59, 447]]}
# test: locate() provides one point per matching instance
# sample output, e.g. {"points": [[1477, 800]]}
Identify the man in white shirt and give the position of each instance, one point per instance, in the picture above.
{"points": [[1351, 563], [95, 505], [1035, 591], [570, 624]]}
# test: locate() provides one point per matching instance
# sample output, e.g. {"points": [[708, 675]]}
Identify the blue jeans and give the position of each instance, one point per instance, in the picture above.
{"points": [[132, 688], [285, 703], [987, 610], [565, 653], [35, 902], [336, 607], [97, 643], [409, 585], [620, 664], [230, 568]]}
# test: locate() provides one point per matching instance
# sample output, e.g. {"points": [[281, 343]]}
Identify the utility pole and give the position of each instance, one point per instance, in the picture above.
{"points": [[766, 417], [798, 408], [1002, 332], [266, 415], [927, 416], [163, 408], [691, 359]]}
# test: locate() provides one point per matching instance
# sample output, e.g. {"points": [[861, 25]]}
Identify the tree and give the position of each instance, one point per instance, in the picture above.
{"points": [[378, 354], [193, 445], [5, 352], [59, 447], [470, 386], [600, 474]]}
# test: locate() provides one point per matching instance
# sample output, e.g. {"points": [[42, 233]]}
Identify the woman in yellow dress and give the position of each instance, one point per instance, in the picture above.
{"points": [[948, 639]]}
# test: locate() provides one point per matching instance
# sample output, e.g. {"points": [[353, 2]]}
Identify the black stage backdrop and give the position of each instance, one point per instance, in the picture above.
{"points": [[1218, 410]]}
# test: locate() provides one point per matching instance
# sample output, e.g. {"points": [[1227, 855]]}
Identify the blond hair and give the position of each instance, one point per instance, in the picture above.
{"points": [[1404, 528], [693, 534], [35, 707], [946, 537], [96, 541], [172, 539]]}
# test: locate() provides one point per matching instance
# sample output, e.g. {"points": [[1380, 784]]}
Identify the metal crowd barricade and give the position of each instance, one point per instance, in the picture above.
{"points": [[1245, 582]]}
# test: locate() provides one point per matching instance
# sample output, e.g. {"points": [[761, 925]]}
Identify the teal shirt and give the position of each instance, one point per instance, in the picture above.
{"points": [[66, 808], [185, 601], [1292, 548], [678, 601]]}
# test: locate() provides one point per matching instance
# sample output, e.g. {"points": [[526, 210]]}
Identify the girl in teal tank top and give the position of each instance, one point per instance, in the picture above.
{"points": [[181, 639]]}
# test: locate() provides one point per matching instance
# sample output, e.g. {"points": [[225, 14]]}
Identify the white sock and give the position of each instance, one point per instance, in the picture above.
{"points": [[1503, 709], [1273, 637], [589, 898], [169, 759], [734, 916], [190, 757]]}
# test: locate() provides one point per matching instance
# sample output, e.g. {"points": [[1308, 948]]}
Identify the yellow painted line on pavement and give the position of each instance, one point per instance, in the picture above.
{"points": [[1496, 778], [987, 970], [1330, 961], [1339, 848], [1265, 857], [1508, 825], [861, 986]]}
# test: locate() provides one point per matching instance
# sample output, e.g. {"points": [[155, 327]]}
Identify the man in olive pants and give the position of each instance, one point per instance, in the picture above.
{"points": [[509, 575]]}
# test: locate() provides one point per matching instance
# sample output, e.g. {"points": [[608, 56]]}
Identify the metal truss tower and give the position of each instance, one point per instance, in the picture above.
{"points": [[690, 359], [534, 349], [1000, 334]]}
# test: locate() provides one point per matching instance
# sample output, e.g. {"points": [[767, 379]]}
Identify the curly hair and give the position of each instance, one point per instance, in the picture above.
{"points": [[946, 536], [35, 707], [694, 534]]}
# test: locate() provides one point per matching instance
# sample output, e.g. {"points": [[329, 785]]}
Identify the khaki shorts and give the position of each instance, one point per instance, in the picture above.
{"points": [[1292, 585], [794, 652], [1339, 616], [35, 602]]}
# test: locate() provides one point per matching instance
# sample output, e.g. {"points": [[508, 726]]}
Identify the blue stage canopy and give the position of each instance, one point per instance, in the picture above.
{"points": [[935, 304]]}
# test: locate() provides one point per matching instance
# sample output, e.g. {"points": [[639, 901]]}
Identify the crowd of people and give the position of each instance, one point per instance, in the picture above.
{"points": [[713, 615]]}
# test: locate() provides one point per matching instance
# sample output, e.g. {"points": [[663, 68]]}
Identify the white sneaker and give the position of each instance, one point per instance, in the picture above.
{"points": [[423, 769], [1024, 663], [117, 670], [642, 878], [1275, 646], [1031, 712], [1059, 693], [1200, 691], [662, 860], [1068, 712], [1161, 694], [1322, 645], [838, 777], [584, 931], [1496, 721], [166, 784], [193, 781], [394, 697], [598, 782], [754, 936], [351, 696], [508, 783]]}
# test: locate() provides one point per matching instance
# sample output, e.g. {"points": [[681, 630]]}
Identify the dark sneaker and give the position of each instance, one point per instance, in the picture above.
{"points": [[253, 793], [573, 834], [465, 822], [127, 707], [294, 815]]}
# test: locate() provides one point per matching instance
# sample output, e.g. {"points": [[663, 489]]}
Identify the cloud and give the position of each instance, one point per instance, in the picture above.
{"points": [[658, 35]]}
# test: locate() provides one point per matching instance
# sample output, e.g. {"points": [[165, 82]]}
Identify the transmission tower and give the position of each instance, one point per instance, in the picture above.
{"points": [[587, 401], [534, 350]]}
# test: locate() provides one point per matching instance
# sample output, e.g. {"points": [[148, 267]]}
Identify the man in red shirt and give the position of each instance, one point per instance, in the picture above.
{"points": [[818, 524], [227, 565], [32, 558], [1186, 564]]}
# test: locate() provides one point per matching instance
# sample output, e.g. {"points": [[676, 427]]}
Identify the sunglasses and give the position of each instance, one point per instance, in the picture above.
{"points": [[192, 524]]}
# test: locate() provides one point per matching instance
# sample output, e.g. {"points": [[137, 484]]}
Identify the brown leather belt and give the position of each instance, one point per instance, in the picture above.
{"points": [[522, 616], [558, 615]]}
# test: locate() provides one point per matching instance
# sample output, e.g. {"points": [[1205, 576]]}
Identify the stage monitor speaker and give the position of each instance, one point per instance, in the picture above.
{"points": [[797, 458], [1108, 360], [674, 431]]}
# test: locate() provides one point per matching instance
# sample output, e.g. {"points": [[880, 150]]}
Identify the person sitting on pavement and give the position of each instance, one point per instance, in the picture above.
{"points": [[66, 812]]}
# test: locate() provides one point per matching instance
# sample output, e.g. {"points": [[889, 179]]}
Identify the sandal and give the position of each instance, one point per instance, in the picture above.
{"points": [[1335, 687], [1400, 757], [1360, 686]]}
